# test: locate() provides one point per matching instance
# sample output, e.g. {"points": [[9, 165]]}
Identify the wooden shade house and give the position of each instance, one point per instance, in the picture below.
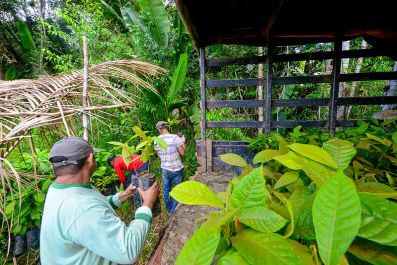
{"points": [[278, 23]]}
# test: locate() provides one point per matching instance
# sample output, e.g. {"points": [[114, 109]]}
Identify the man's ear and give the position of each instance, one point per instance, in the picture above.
{"points": [[91, 159]]}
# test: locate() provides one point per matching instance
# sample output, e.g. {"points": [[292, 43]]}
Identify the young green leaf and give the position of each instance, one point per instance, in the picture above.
{"points": [[282, 144], [250, 191], [231, 257], [286, 179], [304, 225], [394, 137], [161, 142], [261, 248], [379, 140], [126, 156], [234, 160], [336, 217], [245, 171], [261, 219], [195, 193], [314, 153], [117, 143], [302, 251], [379, 220], [145, 154], [376, 188], [299, 197], [138, 131], [342, 152], [265, 156], [140, 145], [289, 160], [316, 171], [200, 248], [373, 253]]}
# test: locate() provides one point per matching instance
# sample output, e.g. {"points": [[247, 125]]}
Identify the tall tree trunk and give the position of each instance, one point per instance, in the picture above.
{"points": [[42, 36], [391, 90], [357, 69], [342, 86], [85, 89], [259, 90]]}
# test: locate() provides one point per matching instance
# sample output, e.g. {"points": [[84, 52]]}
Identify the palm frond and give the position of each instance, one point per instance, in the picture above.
{"points": [[27, 104]]}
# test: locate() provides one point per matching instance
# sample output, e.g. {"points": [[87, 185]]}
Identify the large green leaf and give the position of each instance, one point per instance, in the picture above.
{"points": [[379, 220], [234, 160], [342, 151], [261, 248], [287, 178], [336, 217], [265, 156], [379, 140], [195, 193], [282, 144], [262, 219], [304, 225], [302, 251], [131, 17], [25, 36], [378, 189], [231, 257], [159, 25], [394, 137], [299, 197], [250, 191], [200, 248], [117, 144], [178, 77], [374, 253], [315, 153], [289, 160], [146, 152], [126, 155], [316, 171]]}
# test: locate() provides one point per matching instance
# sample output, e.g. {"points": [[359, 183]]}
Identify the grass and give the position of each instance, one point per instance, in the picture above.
{"points": [[127, 212]]}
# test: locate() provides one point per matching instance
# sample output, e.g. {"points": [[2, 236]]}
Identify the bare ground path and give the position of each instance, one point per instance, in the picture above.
{"points": [[181, 225]]}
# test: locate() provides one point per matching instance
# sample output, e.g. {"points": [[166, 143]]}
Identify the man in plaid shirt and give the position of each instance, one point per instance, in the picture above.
{"points": [[171, 164]]}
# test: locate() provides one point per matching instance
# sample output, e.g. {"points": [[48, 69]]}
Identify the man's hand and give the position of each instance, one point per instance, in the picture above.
{"points": [[150, 195], [127, 193]]}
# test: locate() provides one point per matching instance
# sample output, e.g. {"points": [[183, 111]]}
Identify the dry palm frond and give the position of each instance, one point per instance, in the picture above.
{"points": [[8, 175], [27, 104]]}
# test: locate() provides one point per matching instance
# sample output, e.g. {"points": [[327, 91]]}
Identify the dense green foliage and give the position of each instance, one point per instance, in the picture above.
{"points": [[305, 203]]}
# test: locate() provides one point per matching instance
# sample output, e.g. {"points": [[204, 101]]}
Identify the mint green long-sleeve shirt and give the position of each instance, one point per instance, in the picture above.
{"points": [[80, 226]]}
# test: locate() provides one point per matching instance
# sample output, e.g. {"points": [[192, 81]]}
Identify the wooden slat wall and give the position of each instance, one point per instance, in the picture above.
{"points": [[268, 103]]}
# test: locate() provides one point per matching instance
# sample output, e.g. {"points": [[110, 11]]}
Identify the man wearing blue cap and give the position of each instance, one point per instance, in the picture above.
{"points": [[79, 224]]}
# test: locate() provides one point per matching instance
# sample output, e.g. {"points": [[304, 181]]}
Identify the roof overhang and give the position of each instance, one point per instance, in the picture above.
{"points": [[289, 22]]}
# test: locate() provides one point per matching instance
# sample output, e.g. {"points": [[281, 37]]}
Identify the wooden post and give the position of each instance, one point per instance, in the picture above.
{"points": [[85, 89], [203, 108], [259, 91], [335, 86], [268, 99]]}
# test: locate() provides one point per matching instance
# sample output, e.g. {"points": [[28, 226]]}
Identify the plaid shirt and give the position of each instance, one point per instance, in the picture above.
{"points": [[170, 159]]}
